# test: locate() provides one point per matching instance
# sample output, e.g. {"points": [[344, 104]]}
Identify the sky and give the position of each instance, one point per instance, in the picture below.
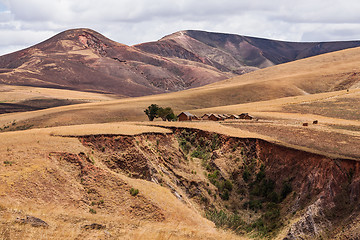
{"points": [[24, 23]]}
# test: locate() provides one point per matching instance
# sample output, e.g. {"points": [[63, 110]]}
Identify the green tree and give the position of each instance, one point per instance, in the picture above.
{"points": [[166, 114], [151, 111], [171, 117]]}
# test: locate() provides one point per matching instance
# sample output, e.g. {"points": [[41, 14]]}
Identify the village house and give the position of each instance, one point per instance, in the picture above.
{"points": [[222, 117], [215, 117], [227, 116], [205, 116], [186, 116], [234, 117], [246, 116]]}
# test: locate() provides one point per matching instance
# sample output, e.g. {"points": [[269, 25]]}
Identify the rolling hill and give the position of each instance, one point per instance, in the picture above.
{"points": [[84, 60], [324, 73]]}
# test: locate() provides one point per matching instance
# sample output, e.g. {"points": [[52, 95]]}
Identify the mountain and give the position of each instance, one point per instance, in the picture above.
{"points": [[85, 60], [82, 59], [235, 53]]}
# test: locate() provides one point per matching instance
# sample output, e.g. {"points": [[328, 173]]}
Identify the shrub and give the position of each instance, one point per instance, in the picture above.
{"points": [[260, 176], [9, 163], [92, 211], [208, 167], [246, 175], [200, 153], [267, 187], [259, 225], [228, 185], [273, 197], [213, 176], [253, 205], [286, 189], [215, 143], [241, 191], [204, 200], [185, 145], [224, 220], [270, 218], [225, 195], [263, 188], [134, 191]]}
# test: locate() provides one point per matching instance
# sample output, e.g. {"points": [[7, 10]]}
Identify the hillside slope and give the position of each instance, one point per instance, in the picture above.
{"points": [[325, 73], [57, 181], [84, 60]]}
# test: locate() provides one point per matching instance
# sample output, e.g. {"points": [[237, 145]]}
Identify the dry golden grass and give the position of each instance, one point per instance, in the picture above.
{"points": [[107, 128], [342, 106], [69, 224], [14, 94], [281, 104], [289, 132], [277, 109], [32, 183], [318, 137], [325, 73], [337, 113]]}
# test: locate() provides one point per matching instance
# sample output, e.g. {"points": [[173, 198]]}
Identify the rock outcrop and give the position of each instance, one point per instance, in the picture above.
{"points": [[33, 221]]}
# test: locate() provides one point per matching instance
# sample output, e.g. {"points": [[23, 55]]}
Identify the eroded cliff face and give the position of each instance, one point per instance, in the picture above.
{"points": [[325, 191], [247, 185]]}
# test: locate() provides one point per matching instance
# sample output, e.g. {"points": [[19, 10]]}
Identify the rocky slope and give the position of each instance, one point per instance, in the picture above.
{"points": [[83, 59]]}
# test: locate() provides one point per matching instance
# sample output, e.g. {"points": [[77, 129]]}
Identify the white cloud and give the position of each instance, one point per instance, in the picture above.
{"points": [[27, 22]]}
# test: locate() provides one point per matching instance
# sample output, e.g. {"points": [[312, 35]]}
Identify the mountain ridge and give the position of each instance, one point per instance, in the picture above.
{"points": [[299, 49], [85, 60]]}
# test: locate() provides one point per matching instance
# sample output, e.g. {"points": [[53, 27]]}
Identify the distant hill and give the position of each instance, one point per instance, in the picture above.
{"points": [[82, 59]]}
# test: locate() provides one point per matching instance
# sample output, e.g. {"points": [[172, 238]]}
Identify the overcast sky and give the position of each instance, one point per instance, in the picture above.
{"points": [[26, 22]]}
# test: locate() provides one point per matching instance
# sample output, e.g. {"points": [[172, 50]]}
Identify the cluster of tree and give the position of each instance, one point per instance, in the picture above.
{"points": [[154, 111]]}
